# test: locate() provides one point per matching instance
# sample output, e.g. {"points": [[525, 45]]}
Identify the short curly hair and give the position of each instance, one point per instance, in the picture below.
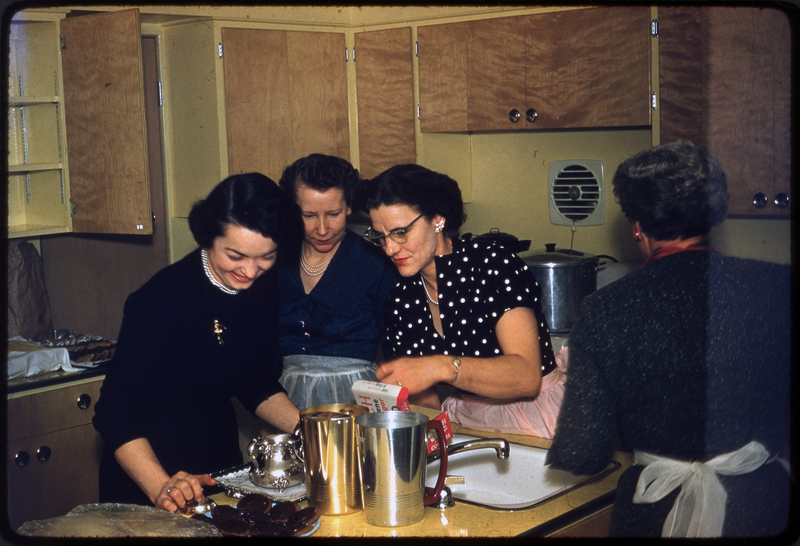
{"points": [[320, 172], [676, 190], [252, 201], [427, 191]]}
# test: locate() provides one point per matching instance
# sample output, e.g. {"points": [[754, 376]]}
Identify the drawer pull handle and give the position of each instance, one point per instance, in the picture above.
{"points": [[84, 401], [43, 453], [760, 200], [781, 200], [22, 458]]}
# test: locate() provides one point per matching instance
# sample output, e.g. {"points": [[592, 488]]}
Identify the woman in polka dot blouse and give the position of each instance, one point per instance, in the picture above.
{"points": [[465, 313]]}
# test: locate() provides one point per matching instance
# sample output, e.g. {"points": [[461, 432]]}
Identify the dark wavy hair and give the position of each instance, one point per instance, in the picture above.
{"points": [[252, 201], [427, 191], [675, 190], [320, 172]]}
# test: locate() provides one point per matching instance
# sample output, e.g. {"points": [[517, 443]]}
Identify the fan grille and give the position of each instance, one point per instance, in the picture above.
{"points": [[575, 192]]}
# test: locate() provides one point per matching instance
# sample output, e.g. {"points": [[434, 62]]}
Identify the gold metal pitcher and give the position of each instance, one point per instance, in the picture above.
{"points": [[331, 461]]}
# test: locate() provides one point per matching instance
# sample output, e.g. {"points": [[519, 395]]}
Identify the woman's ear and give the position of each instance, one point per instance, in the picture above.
{"points": [[637, 232]]}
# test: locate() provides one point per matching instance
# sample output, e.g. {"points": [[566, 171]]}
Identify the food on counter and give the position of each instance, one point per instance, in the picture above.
{"points": [[84, 348], [258, 515]]}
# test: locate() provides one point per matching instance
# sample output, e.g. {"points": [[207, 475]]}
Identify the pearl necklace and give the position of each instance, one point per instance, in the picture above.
{"points": [[211, 277], [313, 270], [430, 299]]}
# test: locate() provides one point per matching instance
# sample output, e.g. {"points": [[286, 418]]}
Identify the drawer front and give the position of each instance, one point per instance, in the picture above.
{"points": [[52, 410]]}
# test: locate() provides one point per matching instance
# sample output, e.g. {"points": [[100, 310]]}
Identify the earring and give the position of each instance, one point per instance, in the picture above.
{"points": [[636, 236], [439, 226]]}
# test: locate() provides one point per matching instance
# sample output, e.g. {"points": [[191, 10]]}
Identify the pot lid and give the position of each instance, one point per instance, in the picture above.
{"points": [[562, 257]]}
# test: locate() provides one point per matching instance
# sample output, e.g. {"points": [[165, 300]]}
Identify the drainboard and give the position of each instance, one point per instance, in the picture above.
{"points": [[521, 481]]}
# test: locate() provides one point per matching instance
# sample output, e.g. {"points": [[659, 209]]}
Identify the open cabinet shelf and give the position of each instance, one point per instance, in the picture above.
{"points": [[38, 180]]}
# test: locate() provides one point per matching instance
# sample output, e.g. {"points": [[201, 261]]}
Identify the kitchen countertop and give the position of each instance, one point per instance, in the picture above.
{"points": [[475, 521]]}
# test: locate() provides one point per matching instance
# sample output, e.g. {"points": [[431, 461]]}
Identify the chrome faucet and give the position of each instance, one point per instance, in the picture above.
{"points": [[500, 445]]}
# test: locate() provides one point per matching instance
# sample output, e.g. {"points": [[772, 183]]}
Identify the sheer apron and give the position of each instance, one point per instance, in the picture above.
{"points": [[312, 380], [529, 417]]}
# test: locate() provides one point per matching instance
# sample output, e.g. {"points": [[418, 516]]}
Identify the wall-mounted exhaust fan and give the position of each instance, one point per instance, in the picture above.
{"points": [[577, 192]]}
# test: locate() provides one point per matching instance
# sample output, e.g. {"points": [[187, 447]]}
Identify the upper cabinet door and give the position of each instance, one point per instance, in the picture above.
{"points": [[285, 98], [725, 83], [581, 68], [496, 73], [385, 127], [588, 68], [442, 64], [105, 123]]}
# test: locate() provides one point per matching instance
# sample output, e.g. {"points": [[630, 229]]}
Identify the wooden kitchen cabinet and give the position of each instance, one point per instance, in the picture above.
{"points": [[285, 97], [582, 68], [53, 452], [75, 92], [725, 76], [385, 95]]}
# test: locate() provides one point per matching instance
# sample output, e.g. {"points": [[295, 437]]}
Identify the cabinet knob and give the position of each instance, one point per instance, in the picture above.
{"points": [[514, 115], [22, 458], [43, 453], [781, 200], [84, 401], [760, 200], [531, 115]]}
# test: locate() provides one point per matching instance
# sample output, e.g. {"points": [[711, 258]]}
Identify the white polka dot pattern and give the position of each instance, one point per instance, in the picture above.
{"points": [[477, 283]]}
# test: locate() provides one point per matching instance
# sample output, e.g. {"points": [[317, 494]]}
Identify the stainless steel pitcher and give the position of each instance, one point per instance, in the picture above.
{"points": [[392, 456], [331, 464]]}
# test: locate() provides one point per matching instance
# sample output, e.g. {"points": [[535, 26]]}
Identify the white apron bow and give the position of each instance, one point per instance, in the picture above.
{"points": [[699, 510]]}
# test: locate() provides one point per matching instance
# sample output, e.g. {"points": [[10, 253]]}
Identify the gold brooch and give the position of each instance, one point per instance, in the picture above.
{"points": [[218, 329]]}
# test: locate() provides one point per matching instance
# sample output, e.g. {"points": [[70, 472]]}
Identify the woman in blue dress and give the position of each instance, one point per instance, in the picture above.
{"points": [[331, 303]]}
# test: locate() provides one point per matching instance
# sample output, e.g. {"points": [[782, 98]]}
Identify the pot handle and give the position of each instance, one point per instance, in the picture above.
{"points": [[613, 259], [432, 495]]}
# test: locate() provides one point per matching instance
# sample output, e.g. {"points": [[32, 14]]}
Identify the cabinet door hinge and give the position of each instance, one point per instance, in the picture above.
{"points": [[654, 101], [63, 41], [416, 49], [220, 50], [160, 95], [73, 208], [654, 28], [418, 111]]}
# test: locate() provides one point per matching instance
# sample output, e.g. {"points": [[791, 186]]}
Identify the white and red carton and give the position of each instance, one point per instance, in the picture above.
{"points": [[382, 397]]}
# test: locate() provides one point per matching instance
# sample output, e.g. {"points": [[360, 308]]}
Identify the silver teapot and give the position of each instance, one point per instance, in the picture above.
{"points": [[278, 461]]}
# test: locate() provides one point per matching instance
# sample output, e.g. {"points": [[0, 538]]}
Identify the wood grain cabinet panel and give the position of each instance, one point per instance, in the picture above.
{"points": [[385, 95], [285, 97], [589, 67], [53, 452], [725, 78], [105, 122], [580, 68]]}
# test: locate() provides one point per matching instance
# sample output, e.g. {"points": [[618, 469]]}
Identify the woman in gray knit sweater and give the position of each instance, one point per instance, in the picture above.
{"points": [[684, 362]]}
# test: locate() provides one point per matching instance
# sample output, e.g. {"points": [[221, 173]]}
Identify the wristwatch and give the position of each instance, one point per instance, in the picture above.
{"points": [[457, 364]]}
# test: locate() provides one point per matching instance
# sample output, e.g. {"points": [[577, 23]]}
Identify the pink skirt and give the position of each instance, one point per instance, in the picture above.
{"points": [[528, 416]]}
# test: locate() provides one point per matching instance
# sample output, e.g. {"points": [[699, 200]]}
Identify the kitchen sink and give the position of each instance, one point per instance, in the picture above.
{"points": [[521, 481]]}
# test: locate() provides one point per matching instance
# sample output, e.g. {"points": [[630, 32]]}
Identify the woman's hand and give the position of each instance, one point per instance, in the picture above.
{"points": [[417, 374], [180, 489]]}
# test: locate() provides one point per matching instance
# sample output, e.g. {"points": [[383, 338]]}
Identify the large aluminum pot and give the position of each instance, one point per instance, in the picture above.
{"points": [[566, 277]]}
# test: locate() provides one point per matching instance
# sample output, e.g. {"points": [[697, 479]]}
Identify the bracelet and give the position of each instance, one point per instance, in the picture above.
{"points": [[457, 364]]}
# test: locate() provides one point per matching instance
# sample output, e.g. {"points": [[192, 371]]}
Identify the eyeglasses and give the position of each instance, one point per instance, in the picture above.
{"points": [[398, 235]]}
